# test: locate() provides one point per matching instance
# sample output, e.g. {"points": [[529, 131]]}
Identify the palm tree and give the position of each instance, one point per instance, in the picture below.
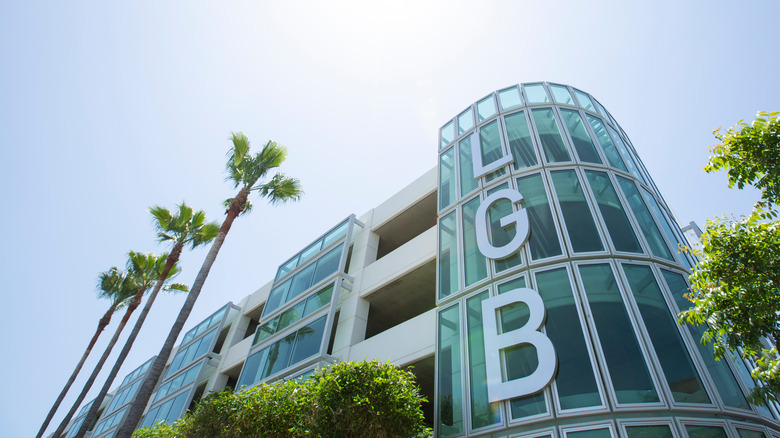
{"points": [[246, 172], [110, 286], [185, 227], [141, 273]]}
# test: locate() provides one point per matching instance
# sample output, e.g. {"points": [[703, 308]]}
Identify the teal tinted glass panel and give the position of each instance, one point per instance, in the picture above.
{"points": [[287, 268], [483, 413], [745, 433], [607, 146], [75, 428], [335, 235], [450, 390], [308, 253], [277, 296], [678, 367], [253, 368], [290, 316], [486, 108], [625, 361], [308, 341], [447, 134], [645, 219], [580, 137], [318, 300], [584, 100], [582, 232], [620, 230], [705, 431], [534, 93], [601, 108], [555, 150], [467, 181], [649, 432], [300, 282], [627, 157], [265, 331], [520, 143], [665, 225], [474, 263], [446, 178], [279, 355], [592, 433], [561, 94], [543, 241], [448, 256], [501, 236], [327, 265], [510, 98], [465, 121], [490, 143], [575, 379], [719, 370]]}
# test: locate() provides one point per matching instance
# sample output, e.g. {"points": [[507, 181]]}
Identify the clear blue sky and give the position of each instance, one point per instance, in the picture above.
{"points": [[109, 107]]}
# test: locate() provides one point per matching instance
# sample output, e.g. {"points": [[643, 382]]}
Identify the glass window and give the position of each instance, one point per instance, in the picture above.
{"points": [[664, 221], [335, 235], [490, 143], [610, 151], [649, 431], [746, 433], [327, 264], [561, 94], [575, 380], [510, 98], [535, 93], [645, 220], [308, 342], [279, 355], [486, 108], [467, 181], [579, 135], [308, 253], [618, 226], [277, 296], [543, 241], [555, 151], [300, 282], [705, 431], [265, 331], [629, 160], [318, 300], [590, 433], [253, 368], [474, 263], [465, 121], [582, 232], [584, 100], [447, 134], [501, 236], [520, 142], [601, 108], [719, 370], [483, 413], [290, 316], [446, 178], [287, 267], [448, 256], [625, 361], [450, 390], [680, 372]]}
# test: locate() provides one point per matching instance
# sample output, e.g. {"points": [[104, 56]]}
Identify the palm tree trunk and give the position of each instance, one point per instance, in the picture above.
{"points": [[170, 262], [145, 393], [134, 302], [104, 321]]}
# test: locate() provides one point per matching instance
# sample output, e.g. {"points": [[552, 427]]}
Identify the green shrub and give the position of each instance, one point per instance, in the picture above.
{"points": [[345, 400]]}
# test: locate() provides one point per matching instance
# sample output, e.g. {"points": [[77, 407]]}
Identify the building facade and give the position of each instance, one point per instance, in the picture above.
{"points": [[532, 281]]}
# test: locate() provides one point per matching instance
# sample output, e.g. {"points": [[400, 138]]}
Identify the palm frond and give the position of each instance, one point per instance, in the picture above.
{"points": [[206, 233], [184, 216], [281, 189], [178, 287], [162, 217]]}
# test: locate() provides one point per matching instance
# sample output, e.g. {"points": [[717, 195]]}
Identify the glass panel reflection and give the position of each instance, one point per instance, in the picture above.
{"points": [[645, 220], [483, 413], [582, 232], [561, 94], [467, 181], [474, 263], [465, 121], [448, 256], [584, 100], [446, 178], [610, 151], [586, 151], [620, 230], [450, 391], [510, 98], [520, 143], [486, 108], [447, 134], [555, 150], [543, 241], [535, 93]]}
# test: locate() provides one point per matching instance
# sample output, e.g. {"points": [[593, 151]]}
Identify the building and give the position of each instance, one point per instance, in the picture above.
{"points": [[532, 281]]}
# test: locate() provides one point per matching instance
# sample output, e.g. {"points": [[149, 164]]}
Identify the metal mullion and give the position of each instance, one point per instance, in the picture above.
{"points": [[566, 136], [557, 223]]}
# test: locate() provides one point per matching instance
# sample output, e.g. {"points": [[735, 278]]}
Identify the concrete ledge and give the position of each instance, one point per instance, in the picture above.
{"points": [[407, 257], [402, 344]]}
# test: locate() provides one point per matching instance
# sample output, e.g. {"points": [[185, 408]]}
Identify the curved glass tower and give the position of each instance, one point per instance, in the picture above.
{"points": [[559, 281]]}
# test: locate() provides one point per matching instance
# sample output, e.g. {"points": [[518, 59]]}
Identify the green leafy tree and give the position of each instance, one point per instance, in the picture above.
{"points": [[734, 288], [142, 270], [247, 172], [345, 400], [183, 227], [111, 285]]}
